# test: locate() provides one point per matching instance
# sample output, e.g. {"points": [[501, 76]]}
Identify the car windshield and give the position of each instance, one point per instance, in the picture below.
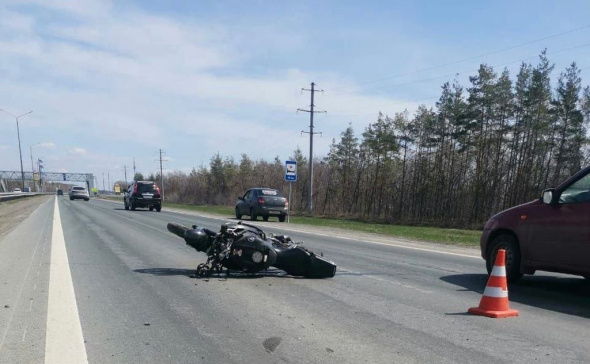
{"points": [[79, 188]]}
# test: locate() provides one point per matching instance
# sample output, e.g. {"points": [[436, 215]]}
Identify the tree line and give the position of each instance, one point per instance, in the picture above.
{"points": [[480, 149]]}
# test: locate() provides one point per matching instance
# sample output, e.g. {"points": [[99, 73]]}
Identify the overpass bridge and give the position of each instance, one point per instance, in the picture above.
{"points": [[39, 178]]}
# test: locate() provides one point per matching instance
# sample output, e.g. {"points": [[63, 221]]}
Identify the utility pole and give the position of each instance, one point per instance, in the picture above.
{"points": [[125, 167], [311, 133], [103, 182], [161, 174], [109, 180], [134, 168]]}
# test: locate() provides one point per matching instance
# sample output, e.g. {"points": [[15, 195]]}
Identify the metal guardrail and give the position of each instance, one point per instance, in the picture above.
{"points": [[8, 196]]}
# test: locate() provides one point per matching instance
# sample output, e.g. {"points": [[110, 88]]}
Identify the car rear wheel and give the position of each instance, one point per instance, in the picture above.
{"points": [[151, 208], [508, 243], [253, 215], [159, 208], [282, 218], [238, 215], [131, 206], [265, 217]]}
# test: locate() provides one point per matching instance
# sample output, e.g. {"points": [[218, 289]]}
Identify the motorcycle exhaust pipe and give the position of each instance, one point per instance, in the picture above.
{"points": [[177, 229]]}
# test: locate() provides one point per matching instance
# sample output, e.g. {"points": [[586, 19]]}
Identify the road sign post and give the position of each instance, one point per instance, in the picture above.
{"points": [[290, 176]]}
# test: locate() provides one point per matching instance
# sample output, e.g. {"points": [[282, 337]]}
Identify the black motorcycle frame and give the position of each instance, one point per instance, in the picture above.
{"points": [[247, 248]]}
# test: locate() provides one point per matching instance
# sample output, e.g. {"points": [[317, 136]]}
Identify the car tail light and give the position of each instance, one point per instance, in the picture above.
{"points": [[261, 200], [157, 189], [286, 203], [135, 189]]}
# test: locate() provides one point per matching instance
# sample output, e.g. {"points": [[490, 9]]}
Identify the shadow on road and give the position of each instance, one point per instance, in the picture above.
{"points": [[137, 210], [277, 273], [560, 294], [166, 271]]}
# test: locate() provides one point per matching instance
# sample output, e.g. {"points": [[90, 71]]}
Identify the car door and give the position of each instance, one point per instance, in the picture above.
{"points": [[559, 234], [253, 201], [244, 205]]}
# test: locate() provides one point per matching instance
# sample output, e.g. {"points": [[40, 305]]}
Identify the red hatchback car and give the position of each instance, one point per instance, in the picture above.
{"points": [[550, 234]]}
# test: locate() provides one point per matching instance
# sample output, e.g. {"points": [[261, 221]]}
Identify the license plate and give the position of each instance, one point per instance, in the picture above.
{"points": [[148, 195]]}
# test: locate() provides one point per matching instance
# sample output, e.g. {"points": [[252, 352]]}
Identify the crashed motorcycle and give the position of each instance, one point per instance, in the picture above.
{"points": [[246, 248]]}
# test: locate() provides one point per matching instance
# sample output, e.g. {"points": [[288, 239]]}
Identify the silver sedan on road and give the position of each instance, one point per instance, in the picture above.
{"points": [[78, 192]]}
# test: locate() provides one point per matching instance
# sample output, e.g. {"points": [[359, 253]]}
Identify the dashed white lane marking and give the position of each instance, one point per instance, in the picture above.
{"points": [[386, 281], [64, 340]]}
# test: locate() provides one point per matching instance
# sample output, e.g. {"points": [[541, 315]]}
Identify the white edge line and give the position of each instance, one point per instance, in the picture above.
{"points": [[64, 342], [336, 236]]}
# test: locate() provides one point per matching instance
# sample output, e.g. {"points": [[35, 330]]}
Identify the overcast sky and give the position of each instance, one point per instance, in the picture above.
{"points": [[109, 81]]}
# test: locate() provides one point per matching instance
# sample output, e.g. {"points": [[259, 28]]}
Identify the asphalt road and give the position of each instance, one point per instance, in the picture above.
{"points": [[391, 301]]}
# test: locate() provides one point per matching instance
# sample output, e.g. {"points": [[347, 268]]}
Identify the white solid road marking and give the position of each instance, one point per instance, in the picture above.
{"points": [[342, 237], [336, 236], [64, 340]]}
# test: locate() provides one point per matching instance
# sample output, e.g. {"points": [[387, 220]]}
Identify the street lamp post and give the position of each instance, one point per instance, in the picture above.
{"points": [[22, 171]]}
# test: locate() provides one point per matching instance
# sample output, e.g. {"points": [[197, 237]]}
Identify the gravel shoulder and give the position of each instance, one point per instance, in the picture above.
{"points": [[13, 212]]}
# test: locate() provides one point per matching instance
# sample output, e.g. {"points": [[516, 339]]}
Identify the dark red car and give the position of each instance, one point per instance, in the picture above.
{"points": [[550, 234]]}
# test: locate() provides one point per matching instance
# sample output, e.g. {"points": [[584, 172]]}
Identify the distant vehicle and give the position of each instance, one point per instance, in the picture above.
{"points": [[27, 189], [263, 202], [60, 192], [550, 234], [143, 194], [16, 190], [78, 192]]}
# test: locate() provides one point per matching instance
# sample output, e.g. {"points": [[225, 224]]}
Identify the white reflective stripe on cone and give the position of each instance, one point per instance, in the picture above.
{"points": [[499, 271], [496, 292]]}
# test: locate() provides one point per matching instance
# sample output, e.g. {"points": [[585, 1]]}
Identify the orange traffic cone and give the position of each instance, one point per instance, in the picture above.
{"points": [[494, 302]]}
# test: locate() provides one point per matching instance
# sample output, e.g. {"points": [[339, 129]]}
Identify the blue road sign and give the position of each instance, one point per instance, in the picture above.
{"points": [[290, 171]]}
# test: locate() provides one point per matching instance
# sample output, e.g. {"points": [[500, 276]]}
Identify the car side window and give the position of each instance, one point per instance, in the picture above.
{"points": [[247, 195], [577, 192]]}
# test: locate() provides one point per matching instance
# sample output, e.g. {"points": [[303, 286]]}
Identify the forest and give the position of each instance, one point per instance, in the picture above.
{"points": [[493, 144]]}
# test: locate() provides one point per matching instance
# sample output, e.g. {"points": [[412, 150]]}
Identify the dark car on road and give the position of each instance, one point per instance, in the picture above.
{"points": [[263, 202], [145, 194], [60, 192], [549, 234]]}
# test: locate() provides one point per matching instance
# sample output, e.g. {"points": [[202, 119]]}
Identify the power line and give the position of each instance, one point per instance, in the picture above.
{"points": [[467, 58], [475, 70], [448, 75]]}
